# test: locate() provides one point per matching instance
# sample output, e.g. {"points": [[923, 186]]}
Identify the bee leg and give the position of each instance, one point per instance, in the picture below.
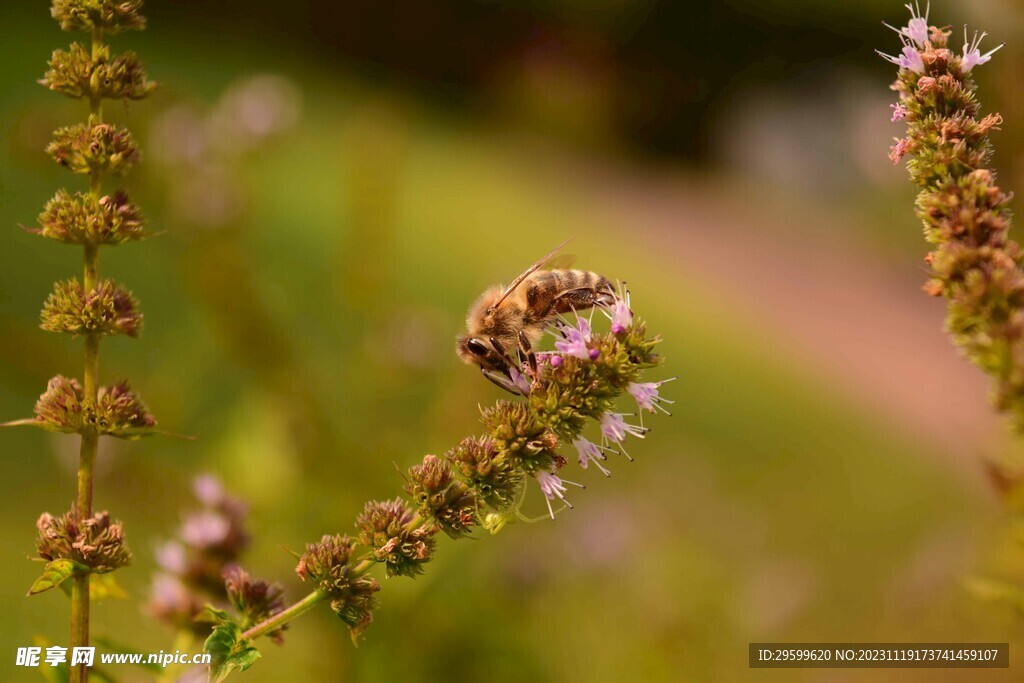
{"points": [[526, 351], [579, 299], [505, 357], [496, 379], [498, 347]]}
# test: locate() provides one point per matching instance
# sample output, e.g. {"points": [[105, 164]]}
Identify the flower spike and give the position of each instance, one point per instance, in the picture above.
{"points": [[966, 216]]}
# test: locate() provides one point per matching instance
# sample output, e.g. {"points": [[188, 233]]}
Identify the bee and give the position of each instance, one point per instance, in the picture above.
{"points": [[503, 320]]}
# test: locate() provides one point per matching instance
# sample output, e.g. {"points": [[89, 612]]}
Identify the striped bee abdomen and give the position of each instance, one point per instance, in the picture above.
{"points": [[562, 291]]}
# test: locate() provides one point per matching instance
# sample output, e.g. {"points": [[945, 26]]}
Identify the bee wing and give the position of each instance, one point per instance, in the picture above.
{"points": [[526, 273], [560, 262]]}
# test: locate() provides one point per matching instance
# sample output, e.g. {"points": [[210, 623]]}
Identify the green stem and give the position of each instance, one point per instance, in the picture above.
{"points": [[90, 439], [87, 460], [91, 267], [281, 618], [95, 102], [79, 622]]}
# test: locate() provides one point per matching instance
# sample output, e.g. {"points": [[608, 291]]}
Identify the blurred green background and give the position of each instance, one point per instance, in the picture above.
{"points": [[334, 184]]}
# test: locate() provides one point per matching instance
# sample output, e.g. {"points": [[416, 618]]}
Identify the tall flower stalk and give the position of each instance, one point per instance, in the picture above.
{"points": [[480, 483], [81, 542], [974, 265]]}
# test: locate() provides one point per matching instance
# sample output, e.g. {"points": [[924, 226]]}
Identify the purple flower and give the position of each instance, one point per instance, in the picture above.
{"points": [[205, 529], [553, 486], [590, 452], [916, 30], [646, 395], [169, 595], [621, 315], [515, 381], [614, 430], [556, 361], [972, 52], [171, 557], [519, 381], [575, 340], [909, 59], [899, 150], [899, 112], [208, 489]]}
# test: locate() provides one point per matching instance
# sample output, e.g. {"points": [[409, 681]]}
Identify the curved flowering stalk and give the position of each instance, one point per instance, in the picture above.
{"points": [[483, 480], [81, 543], [974, 264]]}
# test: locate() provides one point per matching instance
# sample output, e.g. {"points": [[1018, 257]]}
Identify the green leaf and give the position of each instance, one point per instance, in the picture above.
{"points": [[229, 651], [39, 424], [56, 573], [133, 434], [240, 661], [222, 641], [136, 433]]}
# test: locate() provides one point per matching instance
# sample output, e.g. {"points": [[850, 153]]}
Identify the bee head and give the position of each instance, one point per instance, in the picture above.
{"points": [[477, 351]]}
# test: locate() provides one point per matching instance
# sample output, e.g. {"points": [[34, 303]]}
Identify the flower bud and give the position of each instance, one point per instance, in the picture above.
{"points": [[79, 73], [442, 498], [120, 412], [93, 148], [108, 309], [515, 429], [78, 219], [110, 16], [117, 411], [254, 599], [96, 542], [326, 564], [389, 528], [493, 475], [60, 407]]}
